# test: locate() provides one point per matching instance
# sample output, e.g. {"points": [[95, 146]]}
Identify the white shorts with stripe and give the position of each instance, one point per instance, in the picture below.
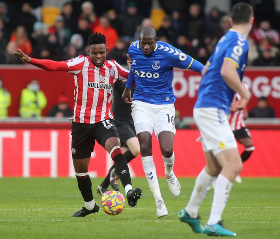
{"points": [[150, 117], [216, 133]]}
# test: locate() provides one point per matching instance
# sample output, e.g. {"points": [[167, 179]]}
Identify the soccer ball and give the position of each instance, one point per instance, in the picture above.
{"points": [[113, 202]]}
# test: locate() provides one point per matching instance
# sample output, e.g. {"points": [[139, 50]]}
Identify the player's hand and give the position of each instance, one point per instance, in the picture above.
{"points": [[22, 56], [240, 104], [127, 95], [128, 61]]}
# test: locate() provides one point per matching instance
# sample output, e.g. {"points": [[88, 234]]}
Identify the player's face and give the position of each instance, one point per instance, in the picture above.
{"points": [[148, 44], [97, 53]]}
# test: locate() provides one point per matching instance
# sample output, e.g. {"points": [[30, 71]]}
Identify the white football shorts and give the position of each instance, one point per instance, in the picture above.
{"points": [[150, 117], [216, 133]]}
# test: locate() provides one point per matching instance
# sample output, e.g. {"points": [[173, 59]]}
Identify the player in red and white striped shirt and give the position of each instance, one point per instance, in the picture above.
{"points": [[241, 133], [94, 78]]}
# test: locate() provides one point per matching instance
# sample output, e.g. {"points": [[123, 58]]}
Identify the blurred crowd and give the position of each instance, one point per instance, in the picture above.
{"points": [[184, 25]]}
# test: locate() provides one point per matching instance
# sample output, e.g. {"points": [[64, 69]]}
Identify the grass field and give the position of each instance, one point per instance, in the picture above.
{"points": [[41, 208]]}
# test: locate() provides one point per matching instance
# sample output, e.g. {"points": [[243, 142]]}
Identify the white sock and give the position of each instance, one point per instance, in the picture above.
{"points": [[221, 194], [168, 164], [202, 186], [90, 205], [127, 188], [151, 174]]}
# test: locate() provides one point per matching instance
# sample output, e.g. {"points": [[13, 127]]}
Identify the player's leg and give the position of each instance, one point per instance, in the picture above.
{"points": [[82, 145], [108, 137], [246, 140], [202, 186], [130, 148], [165, 131], [243, 136], [145, 140]]}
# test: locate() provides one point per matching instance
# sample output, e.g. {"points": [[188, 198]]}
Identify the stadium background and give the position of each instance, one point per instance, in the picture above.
{"points": [[41, 147]]}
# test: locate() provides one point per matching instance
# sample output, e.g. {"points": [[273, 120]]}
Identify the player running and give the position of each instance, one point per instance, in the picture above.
{"points": [[153, 109], [93, 120], [241, 133], [126, 130], [222, 77]]}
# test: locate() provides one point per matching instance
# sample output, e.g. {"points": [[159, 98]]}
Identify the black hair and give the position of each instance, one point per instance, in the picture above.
{"points": [[262, 98], [241, 13], [96, 38]]}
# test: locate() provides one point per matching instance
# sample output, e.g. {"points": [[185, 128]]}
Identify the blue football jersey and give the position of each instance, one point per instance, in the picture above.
{"points": [[153, 74], [213, 90]]}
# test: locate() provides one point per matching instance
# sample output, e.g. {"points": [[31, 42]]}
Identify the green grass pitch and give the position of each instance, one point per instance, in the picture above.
{"points": [[41, 208]]}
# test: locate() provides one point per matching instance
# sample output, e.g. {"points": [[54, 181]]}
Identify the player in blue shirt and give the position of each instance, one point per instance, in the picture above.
{"points": [[222, 77], [153, 109]]}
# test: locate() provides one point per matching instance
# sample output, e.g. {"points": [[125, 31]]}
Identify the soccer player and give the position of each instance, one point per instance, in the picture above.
{"points": [[126, 130], [222, 77], [241, 133], [93, 120], [153, 109]]}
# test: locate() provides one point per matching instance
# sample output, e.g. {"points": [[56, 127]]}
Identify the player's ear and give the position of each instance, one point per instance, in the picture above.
{"points": [[230, 20], [156, 39]]}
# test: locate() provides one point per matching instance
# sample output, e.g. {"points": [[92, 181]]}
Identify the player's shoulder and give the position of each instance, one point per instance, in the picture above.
{"points": [[134, 46], [79, 58]]}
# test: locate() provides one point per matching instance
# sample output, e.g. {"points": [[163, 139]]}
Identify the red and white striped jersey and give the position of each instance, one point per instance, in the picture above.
{"points": [[93, 93], [236, 120]]}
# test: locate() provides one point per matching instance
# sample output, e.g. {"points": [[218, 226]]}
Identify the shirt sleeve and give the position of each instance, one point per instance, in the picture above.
{"points": [[176, 58], [72, 65], [123, 72], [130, 79], [236, 50]]}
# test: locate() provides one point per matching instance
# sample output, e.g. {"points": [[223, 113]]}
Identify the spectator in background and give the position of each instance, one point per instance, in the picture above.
{"points": [[70, 52], [183, 43], [26, 18], [129, 21], [145, 23], [167, 30], [119, 52], [114, 21], [262, 110], [253, 52], [213, 19], [61, 109], [4, 13], [9, 57], [5, 101], [32, 100], [266, 58], [264, 30], [89, 15], [83, 30], [224, 26], [53, 47], [109, 32], [38, 39], [177, 23], [78, 42], [194, 23], [3, 43], [63, 34], [21, 39], [70, 21]]}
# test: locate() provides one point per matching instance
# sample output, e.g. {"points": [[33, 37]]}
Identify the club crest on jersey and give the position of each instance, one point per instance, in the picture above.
{"points": [[73, 150], [112, 72], [156, 65]]}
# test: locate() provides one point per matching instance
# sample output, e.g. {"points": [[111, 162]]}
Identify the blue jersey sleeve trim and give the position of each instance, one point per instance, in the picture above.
{"points": [[190, 64], [130, 79], [227, 58]]}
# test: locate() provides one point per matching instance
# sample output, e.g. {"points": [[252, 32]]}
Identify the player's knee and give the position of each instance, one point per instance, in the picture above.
{"points": [[237, 168], [167, 152], [145, 150]]}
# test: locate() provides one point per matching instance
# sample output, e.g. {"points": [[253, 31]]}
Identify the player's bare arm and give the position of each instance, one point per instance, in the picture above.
{"points": [[127, 95], [22, 56], [128, 61], [231, 77]]}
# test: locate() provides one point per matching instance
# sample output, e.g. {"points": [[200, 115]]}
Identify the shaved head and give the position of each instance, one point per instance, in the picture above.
{"points": [[148, 32]]}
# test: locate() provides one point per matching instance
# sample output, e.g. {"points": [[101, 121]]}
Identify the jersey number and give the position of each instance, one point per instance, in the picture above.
{"points": [[107, 124], [170, 119]]}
